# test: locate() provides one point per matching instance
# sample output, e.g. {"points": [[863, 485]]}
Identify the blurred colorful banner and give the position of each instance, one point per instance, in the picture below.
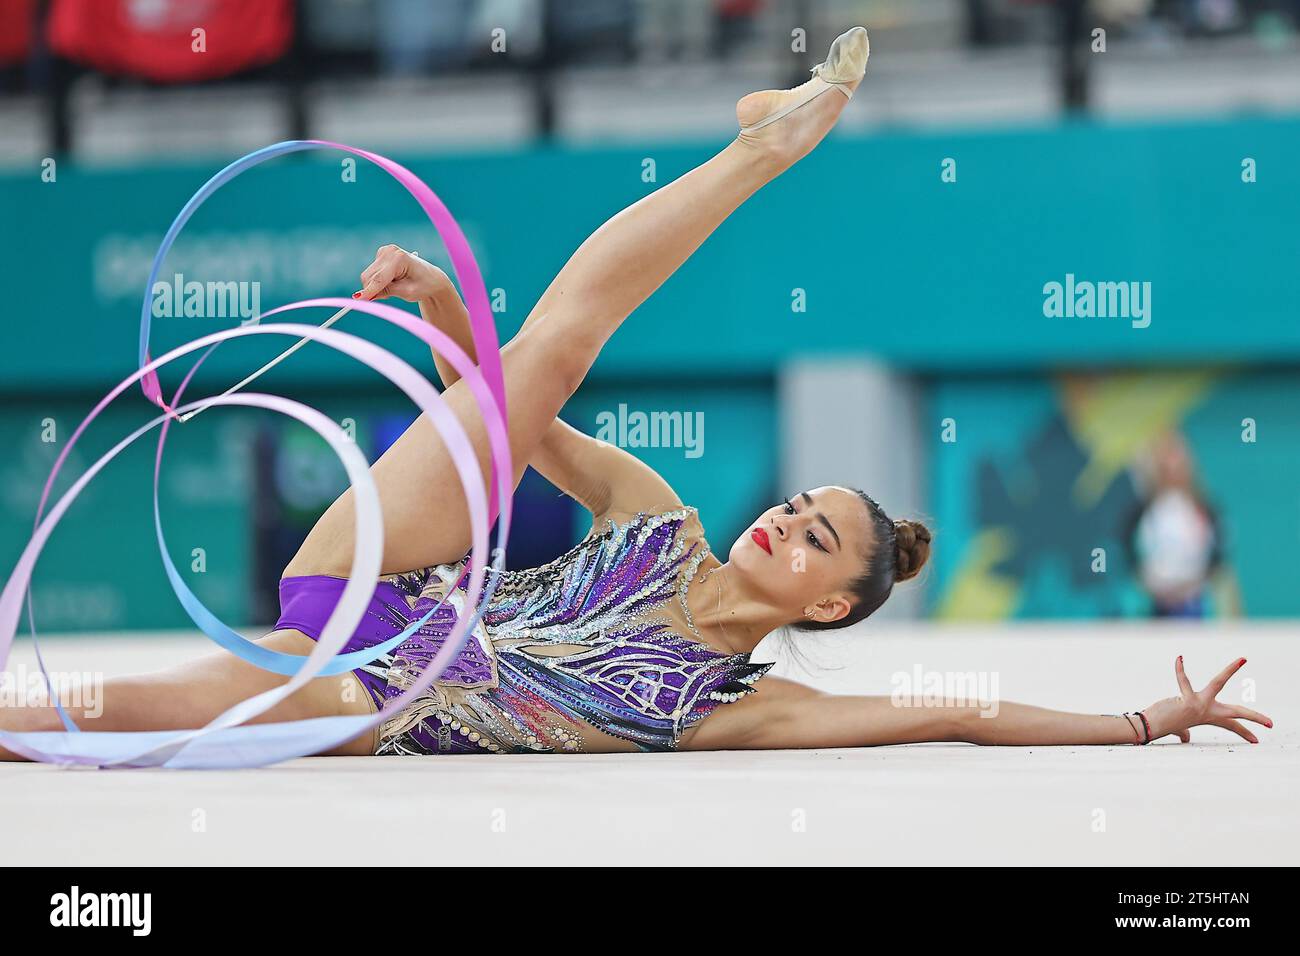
{"points": [[1046, 496]]}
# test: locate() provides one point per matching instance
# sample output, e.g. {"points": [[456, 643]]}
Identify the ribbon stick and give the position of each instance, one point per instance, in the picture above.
{"points": [[248, 380]]}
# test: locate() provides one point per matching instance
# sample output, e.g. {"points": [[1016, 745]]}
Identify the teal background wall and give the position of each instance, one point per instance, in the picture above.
{"points": [[924, 273], [942, 278]]}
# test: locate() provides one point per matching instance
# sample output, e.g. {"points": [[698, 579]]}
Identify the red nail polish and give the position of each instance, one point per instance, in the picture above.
{"points": [[356, 295]]}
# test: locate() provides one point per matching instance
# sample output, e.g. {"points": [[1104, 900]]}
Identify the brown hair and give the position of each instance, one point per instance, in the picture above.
{"points": [[898, 552]]}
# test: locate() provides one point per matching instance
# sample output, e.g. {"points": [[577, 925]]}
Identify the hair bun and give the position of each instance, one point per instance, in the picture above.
{"points": [[911, 548]]}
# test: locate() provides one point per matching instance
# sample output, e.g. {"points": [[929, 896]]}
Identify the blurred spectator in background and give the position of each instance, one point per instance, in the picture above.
{"points": [[1174, 537]]}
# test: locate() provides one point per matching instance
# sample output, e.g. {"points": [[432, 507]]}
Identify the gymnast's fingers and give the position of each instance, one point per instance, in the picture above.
{"points": [[1184, 685], [1245, 713], [390, 263], [1236, 728], [1216, 685], [392, 267], [381, 254]]}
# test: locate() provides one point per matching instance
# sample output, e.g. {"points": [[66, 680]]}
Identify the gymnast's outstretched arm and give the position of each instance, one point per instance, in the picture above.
{"points": [[784, 715]]}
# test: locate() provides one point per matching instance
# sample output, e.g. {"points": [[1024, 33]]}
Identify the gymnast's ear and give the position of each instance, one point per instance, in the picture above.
{"points": [[828, 610]]}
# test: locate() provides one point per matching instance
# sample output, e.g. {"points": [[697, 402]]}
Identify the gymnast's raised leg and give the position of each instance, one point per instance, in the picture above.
{"points": [[613, 272]]}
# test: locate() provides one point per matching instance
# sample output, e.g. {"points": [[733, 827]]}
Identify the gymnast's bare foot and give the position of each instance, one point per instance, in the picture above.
{"points": [[788, 124]]}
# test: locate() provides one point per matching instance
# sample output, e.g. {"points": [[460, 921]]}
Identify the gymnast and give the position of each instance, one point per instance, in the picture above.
{"points": [[639, 637]]}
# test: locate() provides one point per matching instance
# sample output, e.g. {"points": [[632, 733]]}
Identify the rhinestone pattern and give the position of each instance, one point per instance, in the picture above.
{"points": [[592, 641]]}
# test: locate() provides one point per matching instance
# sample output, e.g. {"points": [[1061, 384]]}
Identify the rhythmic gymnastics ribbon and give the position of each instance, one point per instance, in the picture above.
{"points": [[463, 262], [276, 661], [482, 329], [223, 743], [210, 746]]}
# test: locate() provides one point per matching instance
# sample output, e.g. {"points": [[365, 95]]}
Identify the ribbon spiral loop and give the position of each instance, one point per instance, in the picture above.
{"points": [[227, 741]]}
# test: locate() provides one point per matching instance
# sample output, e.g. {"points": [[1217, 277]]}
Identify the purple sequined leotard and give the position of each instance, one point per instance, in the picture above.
{"points": [[594, 640]]}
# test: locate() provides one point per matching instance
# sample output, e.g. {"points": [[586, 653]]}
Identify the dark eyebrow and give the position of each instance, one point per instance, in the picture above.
{"points": [[807, 498]]}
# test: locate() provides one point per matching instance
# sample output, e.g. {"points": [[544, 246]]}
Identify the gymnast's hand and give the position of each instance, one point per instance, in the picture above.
{"points": [[403, 274], [1192, 708]]}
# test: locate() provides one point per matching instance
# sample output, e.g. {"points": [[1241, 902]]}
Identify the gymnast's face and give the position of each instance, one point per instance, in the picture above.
{"points": [[802, 554]]}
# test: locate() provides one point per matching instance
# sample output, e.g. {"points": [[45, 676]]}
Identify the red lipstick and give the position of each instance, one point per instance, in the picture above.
{"points": [[760, 538]]}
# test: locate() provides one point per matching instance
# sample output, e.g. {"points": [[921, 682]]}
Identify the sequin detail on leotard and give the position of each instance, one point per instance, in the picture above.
{"points": [[594, 639]]}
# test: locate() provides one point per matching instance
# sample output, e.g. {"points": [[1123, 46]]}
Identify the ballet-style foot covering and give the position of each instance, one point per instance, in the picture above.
{"points": [[845, 63]]}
